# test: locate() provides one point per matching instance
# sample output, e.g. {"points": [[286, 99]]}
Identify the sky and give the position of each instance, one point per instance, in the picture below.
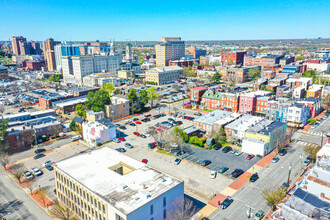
{"points": [[146, 20]]}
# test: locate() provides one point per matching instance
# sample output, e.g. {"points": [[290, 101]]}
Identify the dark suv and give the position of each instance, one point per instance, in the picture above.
{"points": [[40, 150], [226, 149], [282, 152], [206, 162], [236, 173]]}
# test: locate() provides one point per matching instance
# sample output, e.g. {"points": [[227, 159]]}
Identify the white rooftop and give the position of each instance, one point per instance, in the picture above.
{"points": [[165, 69], [125, 192], [71, 102]]}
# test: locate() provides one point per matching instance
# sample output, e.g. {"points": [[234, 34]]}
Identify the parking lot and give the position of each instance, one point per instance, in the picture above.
{"points": [[46, 180], [219, 159]]}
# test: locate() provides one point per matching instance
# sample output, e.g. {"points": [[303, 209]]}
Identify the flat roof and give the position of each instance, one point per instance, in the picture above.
{"points": [[125, 192], [212, 117], [243, 123], [71, 102]]}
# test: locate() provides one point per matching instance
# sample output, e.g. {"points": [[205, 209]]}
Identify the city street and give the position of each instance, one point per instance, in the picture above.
{"points": [[273, 175], [16, 204]]}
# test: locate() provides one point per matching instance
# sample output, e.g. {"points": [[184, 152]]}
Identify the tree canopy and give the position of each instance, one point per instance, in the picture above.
{"points": [[97, 100], [309, 73], [216, 77], [109, 87], [55, 77], [3, 135], [144, 98], [152, 95], [254, 72], [81, 110], [300, 58]]}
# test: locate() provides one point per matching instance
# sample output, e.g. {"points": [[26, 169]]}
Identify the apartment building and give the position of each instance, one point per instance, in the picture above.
{"points": [[247, 103], [113, 186], [65, 49], [262, 59], [18, 44], [315, 91], [163, 75], [261, 105], [197, 52], [74, 68], [238, 127], [100, 79], [297, 115], [170, 48], [238, 74], [218, 100], [232, 57], [118, 109], [98, 131], [207, 121], [314, 104], [196, 94], [49, 53]]}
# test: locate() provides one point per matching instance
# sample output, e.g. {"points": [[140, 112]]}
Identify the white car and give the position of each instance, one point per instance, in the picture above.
{"points": [[37, 172], [75, 138], [237, 153], [28, 175], [213, 174]]}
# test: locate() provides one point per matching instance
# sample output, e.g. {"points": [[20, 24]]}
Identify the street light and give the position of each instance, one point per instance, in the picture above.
{"points": [[250, 211], [287, 184]]}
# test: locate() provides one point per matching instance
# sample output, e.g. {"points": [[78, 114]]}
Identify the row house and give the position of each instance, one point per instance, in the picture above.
{"points": [[239, 74], [282, 91], [269, 74], [247, 103], [314, 91], [299, 82], [297, 115], [238, 127], [196, 94], [219, 100], [314, 104], [207, 121], [262, 59], [262, 102]]}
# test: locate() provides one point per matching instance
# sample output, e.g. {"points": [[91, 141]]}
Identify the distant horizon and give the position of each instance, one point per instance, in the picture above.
{"points": [[121, 41]]}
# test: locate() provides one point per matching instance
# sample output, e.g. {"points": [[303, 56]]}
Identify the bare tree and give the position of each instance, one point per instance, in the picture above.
{"points": [[28, 136], [2, 108], [17, 171], [31, 185], [58, 212], [43, 196], [4, 160], [54, 130], [184, 209], [311, 151]]}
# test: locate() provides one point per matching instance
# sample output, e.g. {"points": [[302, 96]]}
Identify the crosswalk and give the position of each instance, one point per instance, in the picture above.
{"points": [[314, 133], [304, 143]]}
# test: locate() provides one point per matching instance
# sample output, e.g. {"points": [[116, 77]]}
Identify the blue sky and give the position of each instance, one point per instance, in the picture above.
{"points": [[150, 20]]}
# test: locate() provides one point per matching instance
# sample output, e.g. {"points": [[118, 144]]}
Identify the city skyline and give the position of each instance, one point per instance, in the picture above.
{"points": [[217, 20]]}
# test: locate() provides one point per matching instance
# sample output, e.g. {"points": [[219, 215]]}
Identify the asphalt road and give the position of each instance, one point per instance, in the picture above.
{"points": [[273, 175], [16, 204], [29, 153]]}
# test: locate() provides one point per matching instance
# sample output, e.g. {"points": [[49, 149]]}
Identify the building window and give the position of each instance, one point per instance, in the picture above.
{"points": [[164, 202], [164, 214], [151, 209]]}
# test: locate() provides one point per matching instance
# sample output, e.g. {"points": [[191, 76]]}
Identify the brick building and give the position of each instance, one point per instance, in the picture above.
{"points": [[262, 60], [232, 57], [239, 74], [219, 100], [183, 62], [196, 52], [196, 94], [33, 65], [247, 103]]}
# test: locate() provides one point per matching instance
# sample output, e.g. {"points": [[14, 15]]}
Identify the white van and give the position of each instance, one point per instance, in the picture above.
{"points": [[75, 138]]}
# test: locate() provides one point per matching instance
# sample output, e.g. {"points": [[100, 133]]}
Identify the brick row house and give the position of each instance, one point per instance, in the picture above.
{"points": [[219, 100]]}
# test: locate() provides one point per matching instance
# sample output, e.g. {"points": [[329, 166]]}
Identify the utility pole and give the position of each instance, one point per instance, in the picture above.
{"points": [[249, 211], [321, 139], [287, 183]]}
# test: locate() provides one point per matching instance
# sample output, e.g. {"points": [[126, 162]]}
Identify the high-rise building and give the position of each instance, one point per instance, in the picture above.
{"points": [[74, 68], [49, 54], [35, 48], [170, 48], [128, 52], [16, 42], [114, 186], [65, 49], [196, 52]]}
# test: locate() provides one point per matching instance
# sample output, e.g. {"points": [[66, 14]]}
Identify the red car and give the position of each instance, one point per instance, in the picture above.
{"points": [[144, 161], [147, 115], [138, 122], [250, 156], [121, 138], [160, 130], [136, 133]]}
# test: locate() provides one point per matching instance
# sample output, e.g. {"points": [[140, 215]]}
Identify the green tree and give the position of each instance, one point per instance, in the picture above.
{"points": [[311, 151], [179, 132], [97, 100], [152, 95], [73, 125], [216, 77], [312, 121], [3, 136], [81, 110], [109, 87], [133, 99], [117, 91], [273, 196], [254, 72], [263, 87], [144, 98], [55, 78], [300, 58], [309, 73]]}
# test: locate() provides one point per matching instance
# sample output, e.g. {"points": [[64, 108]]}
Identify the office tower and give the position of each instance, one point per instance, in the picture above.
{"points": [[35, 48], [170, 48], [65, 49], [16, 42], [49, 54]]}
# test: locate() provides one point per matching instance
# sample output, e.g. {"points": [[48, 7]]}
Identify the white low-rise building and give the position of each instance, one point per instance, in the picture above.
{"points": [[106, 184], [163, 75], [99, 132], [298, 115]]}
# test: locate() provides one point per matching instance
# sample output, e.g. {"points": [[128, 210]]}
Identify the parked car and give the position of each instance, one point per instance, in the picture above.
{"points": [[148, 115], [180, 153], [49, 162], [122, 150], [136, 133], [233, 151], [178, 122], [38, 156], [75, 138], [226, 149], [28, 175], [152, 145], [259, 215], [49, 167], [250, 156], [254, 177], [282, 152], [217, 146], [213, 174], [132, 124], [226, 203], [39, 150], [198, 113], [206, 162], [223, 169], [306, 162], [121, 138], [237, 172], [144, 161], [128, 145], [159, 129], [143, 136], [122, 127], [37, 172], [138, 123], [275, 159], [238, 153], [177, 161], [135, 119]]}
